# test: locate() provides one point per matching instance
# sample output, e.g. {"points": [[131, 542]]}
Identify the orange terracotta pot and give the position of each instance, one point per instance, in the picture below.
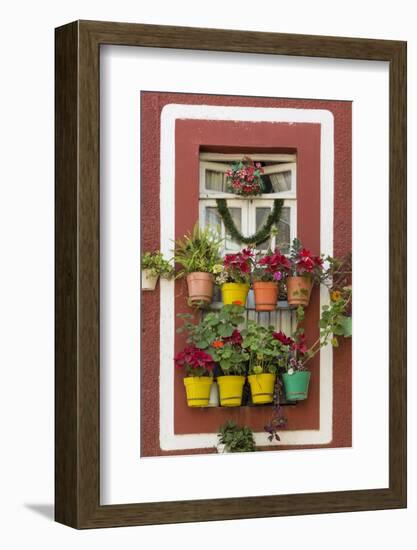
{"points": [[200, 287], [299, 290], [266, 295]]}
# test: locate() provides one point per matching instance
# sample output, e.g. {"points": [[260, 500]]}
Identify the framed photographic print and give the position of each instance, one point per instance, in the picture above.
{"points": [[230, 274]]}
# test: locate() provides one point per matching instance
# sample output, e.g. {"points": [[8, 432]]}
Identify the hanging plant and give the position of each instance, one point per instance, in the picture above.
{"points": [[261, 235], [244, 178]]}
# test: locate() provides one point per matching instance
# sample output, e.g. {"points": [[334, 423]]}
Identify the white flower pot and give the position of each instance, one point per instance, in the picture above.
{"points": [[214, 395], [148, 281]]}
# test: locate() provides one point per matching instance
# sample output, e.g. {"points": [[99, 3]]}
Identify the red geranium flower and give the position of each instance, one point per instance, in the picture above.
{"points": [[300, 345], [281, 337], [241, 261], [306, 262], [218, 344], [276, 262], [235, 339]]}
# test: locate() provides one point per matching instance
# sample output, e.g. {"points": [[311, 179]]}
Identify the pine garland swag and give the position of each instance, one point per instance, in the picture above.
{"points": [[258, 237]]}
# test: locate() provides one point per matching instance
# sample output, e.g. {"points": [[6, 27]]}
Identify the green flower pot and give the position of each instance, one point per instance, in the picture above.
{"points": [[296, 385]]}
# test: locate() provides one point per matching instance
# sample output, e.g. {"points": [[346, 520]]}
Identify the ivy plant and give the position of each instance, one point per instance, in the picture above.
{"points": [[236, 439], [157, 265]]}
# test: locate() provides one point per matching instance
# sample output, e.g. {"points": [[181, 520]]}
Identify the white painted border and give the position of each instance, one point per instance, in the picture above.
{"points": [[170, 441]]}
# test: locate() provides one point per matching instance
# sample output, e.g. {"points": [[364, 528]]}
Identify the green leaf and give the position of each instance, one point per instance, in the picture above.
{"points": [[346, 323], [202, 344]]}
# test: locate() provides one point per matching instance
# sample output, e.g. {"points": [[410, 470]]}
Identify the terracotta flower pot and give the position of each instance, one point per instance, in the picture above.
{"points": [[200, 287], [266, 295], [299, 290]]}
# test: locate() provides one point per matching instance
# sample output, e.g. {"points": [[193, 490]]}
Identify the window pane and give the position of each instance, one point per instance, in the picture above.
{"points": [[236, 214], [213, 219], [215, 181], [281, 182], [262, 212], [283, 239]]}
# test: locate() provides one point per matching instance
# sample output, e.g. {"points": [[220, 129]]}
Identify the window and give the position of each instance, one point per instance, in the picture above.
{"points": [[249, 214]]}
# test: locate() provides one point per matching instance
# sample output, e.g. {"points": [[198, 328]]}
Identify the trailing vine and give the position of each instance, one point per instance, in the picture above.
{"points": [[261, 235]]}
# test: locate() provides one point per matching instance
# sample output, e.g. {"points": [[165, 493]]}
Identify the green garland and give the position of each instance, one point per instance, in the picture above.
{"points": [[258, 237]]}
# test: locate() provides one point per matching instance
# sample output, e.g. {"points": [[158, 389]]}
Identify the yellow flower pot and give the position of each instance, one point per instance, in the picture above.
{"points": [[231, 389], [262, 387], [235, 292], [198, 390]]}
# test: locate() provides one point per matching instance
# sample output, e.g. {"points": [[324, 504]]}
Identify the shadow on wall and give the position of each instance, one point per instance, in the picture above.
{"points": [[45, 510]]}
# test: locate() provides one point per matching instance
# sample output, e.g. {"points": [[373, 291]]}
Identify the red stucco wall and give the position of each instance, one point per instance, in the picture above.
{"points": [[190, 135]]}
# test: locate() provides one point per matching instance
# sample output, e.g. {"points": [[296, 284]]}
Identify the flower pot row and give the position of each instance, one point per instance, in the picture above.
{"points": [[198, 388], [198, 255], [266, 293], [201, 290]]}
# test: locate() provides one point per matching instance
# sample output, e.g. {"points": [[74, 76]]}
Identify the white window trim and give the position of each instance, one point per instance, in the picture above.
{"points": [[267, 157], [170, 113]]}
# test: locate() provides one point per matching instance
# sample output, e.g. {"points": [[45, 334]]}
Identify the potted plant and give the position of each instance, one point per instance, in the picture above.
{"points": [[199, 367], [296, 379], [197, 253], [265, 358], [244, 178], [218, 336], [334, 323], [154, 266], [231, 358], [267, 274], [215, 325], [305, 270], [233, 276], [233, 439]]}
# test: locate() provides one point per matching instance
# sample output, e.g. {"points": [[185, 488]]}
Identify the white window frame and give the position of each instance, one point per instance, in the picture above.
{"points": [[207, 197], [272, 169]]}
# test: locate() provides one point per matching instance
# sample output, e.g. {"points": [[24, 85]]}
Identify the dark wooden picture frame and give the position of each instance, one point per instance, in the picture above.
{"points": [[77, 402]]}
